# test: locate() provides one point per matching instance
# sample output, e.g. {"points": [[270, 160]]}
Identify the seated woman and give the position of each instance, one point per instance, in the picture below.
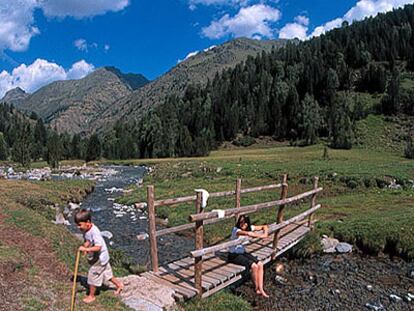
{"points": [[237, 254]]}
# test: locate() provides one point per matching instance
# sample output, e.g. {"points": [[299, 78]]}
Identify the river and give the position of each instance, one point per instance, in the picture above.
{"points": [[125, 229]]}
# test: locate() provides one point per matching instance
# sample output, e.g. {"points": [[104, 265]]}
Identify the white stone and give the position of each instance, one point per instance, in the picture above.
{"points": [[142, 294]]}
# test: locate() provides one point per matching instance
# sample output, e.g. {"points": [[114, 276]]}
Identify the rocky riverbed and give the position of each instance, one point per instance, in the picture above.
{"points": [[336, 282]]}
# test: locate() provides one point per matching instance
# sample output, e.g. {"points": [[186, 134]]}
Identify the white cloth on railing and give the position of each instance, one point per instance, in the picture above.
{"points": [[220, 212], [204, 196]]}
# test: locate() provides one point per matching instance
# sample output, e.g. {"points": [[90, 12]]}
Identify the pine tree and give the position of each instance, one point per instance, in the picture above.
{"points": [[54, 150], [310, 120], [4, 152], [22, 146], [342, 130], [93, 149]]}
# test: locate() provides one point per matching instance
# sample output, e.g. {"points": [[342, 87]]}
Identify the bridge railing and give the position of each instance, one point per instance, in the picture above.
{"points": [[201, 218]]}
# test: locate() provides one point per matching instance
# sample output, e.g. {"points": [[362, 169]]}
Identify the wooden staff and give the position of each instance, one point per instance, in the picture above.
{"points": [[75, 276]]}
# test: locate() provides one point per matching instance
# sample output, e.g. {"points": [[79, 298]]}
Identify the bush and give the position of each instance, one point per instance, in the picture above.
{"points": [[352, 183], [244, 141], [222, 301]]}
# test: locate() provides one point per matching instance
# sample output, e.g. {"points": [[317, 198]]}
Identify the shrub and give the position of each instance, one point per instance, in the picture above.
{"points": [[244, 141]]}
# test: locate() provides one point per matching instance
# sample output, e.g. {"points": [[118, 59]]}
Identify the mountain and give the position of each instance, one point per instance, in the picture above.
{"points": [[195, 69], [15, 96], [73, 105]]}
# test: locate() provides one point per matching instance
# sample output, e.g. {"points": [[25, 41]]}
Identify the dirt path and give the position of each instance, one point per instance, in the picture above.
{"points": [[336, 282]]}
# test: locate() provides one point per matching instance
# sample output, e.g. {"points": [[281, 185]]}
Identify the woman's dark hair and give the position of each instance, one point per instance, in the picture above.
{"points": [[246, 220], [82, 216]]}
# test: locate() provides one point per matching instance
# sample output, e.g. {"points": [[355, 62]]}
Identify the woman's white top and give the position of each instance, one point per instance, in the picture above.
{"points": [[237, 249]]}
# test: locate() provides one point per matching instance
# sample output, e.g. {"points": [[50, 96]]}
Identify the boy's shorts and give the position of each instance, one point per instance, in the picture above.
{"points": [[99, 274]]}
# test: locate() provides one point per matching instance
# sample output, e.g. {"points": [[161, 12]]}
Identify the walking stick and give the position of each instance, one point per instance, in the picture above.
{"points": [[75, 275]]}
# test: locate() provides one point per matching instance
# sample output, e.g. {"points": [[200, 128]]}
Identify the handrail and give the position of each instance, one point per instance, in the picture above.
{"points": [[254, 207], [242, 240], [192, 198]]}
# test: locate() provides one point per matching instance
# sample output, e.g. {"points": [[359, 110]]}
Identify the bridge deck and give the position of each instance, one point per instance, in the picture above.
{"points": [[217, 272]]}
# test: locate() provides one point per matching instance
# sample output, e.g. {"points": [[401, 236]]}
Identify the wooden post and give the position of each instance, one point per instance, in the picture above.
{"points": [[199, 236], [152, 228], [283, 195], [238, 197], [313, 200]]}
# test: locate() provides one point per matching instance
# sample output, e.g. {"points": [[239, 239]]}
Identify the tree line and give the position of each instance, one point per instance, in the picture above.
{"points": [[300, 92], [26, 139]]}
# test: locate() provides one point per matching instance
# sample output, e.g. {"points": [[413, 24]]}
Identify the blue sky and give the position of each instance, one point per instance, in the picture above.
{"points": [[46, 40]]}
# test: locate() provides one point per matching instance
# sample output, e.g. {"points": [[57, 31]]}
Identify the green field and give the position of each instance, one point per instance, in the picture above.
{"points": [[357, 204]]}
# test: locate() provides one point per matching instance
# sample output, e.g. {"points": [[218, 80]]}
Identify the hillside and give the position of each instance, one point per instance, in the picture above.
{"points": [[15, 96], [302, 92], [70, 106], [196, 69]]}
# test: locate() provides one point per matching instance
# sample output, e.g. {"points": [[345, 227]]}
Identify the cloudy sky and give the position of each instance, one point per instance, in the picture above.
{"points": [[46, 40]]}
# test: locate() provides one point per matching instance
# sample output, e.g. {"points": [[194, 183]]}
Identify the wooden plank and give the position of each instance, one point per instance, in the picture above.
{"points": [[152, 228], [192, 198], [176, 279], [208, 267], [181, 291], [224, 285], [229, 267], [208, 274], [313, 200], [253, 208], [188, 275], [199, 240], [208, 277], [245, 240], [280, 212]]}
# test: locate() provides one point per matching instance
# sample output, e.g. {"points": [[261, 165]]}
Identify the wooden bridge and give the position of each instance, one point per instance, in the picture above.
{"points": [[206, 271]]}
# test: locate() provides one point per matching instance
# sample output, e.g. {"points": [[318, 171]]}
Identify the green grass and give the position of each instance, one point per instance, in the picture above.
{"points": [[222, 301], [356, 206]]}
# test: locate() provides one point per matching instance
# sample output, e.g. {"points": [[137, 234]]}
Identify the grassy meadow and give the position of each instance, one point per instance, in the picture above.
{"points": [[357, 205]]}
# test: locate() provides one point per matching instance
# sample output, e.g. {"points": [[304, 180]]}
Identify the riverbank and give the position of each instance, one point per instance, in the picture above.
{"points": [[36, 256], [367, 198]]}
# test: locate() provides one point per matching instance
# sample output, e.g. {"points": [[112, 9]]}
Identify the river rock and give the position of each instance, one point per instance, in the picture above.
{"points": [[60, 219], [395, 298], [343, 248], [374, 307], [329, 244], [142, 294], [107, 234], [73, 206]]}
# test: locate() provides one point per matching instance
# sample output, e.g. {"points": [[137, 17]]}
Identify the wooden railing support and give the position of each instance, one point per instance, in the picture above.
{"points": [[238, 198], [280, 212], [313, 200], [199, 237], [152, 228]]}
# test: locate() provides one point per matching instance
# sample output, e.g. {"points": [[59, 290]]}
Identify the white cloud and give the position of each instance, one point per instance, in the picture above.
{"points": [[253, 21], [81, 8], [363, 8], [193, 3], [295, 30], [17, 24], [81, 45], [79, 70], [195, 53], [39, 73], [302, 20]]}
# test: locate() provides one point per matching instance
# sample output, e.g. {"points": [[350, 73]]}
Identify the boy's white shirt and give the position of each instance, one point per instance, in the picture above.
{"points": [[94, 237]]}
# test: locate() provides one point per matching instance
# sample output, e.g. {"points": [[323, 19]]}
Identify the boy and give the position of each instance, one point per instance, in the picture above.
{"points": [[97, 254]]}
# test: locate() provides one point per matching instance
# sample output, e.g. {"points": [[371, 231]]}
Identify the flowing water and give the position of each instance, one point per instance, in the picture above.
{"points": [[125, 228]]}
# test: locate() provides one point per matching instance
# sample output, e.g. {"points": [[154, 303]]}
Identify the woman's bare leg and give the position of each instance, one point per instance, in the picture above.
{"points": [[260, 274], [254, 273]]}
